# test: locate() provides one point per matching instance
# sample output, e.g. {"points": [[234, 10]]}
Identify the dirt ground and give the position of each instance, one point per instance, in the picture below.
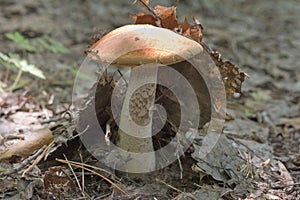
{"points": [[260, 37]]}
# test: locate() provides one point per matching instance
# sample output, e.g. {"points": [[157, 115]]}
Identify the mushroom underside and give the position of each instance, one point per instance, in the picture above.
{"points": [[101, 103]]}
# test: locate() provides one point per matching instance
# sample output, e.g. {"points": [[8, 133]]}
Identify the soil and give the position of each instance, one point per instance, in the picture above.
{"points": [[260, 37]]}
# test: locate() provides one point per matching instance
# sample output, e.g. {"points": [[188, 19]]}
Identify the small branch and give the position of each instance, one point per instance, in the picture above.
{"points": [[93, 167], [284, 186], [177, 190], [38, 159], [180, 165], [170, 186], [82, 173], [24, 162]]}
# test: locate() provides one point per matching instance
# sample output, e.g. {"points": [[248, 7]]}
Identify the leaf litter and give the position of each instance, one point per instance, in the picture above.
{"points": [[244, 162]]}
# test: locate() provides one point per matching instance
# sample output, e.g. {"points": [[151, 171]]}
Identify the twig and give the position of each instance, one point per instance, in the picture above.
{"points": [[16, 80], [77, 181], [284, 186], [122, 77], [206, 48], [206, 188], [177, 190], [53, 119], [170, 186], [38, 159], [82, 172], [30, 158], [100, 175], [24, 162], [107, 134], [248, 148], [180, 165], [82, 132], [93, 167]]}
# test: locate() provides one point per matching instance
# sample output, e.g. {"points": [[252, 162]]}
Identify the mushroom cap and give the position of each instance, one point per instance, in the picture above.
{"points": [[133, 45]]}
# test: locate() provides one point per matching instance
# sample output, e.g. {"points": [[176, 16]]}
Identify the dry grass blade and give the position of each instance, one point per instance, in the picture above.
{"points": [[93, 167], [177, 190], [77, 181], [82, 173], [38, 159], [84, 166]]}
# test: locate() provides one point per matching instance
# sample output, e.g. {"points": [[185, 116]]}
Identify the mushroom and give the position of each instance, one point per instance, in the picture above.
{"points": [[142, 48]]}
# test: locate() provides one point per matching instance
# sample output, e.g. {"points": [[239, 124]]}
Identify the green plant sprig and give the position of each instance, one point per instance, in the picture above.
{"points": [[22, 65], [20, 39]]}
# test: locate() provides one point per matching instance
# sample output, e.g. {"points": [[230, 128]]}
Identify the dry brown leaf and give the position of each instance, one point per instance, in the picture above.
{"points": [[295, 122], [57, 182], [287, 178], [32, 141], [167, 16], [143, 18], [185, 26], [231, 75], [196, 31]]}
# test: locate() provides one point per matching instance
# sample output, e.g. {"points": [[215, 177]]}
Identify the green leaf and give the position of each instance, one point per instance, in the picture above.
{"points": [[53, 45], [5, 60], [258, 95], [7, 66], [44, 43], [20, 39], [3, 56], [22, 64], [248, 112], [32, 69]]}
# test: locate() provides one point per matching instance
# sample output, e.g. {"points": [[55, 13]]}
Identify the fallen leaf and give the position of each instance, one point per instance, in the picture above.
{"points": [[167, 16], [143, 18], [196, 31], [287, 178], [231, 75], [185, 26], [272, 197], [58, 183], [32, 142], [295, 122]]}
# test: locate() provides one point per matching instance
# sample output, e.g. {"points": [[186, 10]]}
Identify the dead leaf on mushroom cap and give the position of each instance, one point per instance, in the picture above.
{"points": [[143, 18], [231, 75], [165, 17]]}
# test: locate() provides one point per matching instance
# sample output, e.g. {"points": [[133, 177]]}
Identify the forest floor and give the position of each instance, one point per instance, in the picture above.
{"points": [[260, 37]]}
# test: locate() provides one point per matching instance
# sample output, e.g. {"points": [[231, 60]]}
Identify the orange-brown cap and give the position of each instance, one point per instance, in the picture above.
{"points": [[133, 45]]}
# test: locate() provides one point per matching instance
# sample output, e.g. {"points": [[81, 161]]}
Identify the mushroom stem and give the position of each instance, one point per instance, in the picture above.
{"points": [[135, 129]]}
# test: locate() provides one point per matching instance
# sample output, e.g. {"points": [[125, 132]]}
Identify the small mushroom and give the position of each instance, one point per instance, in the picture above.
{"points": [[133, 46]]}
